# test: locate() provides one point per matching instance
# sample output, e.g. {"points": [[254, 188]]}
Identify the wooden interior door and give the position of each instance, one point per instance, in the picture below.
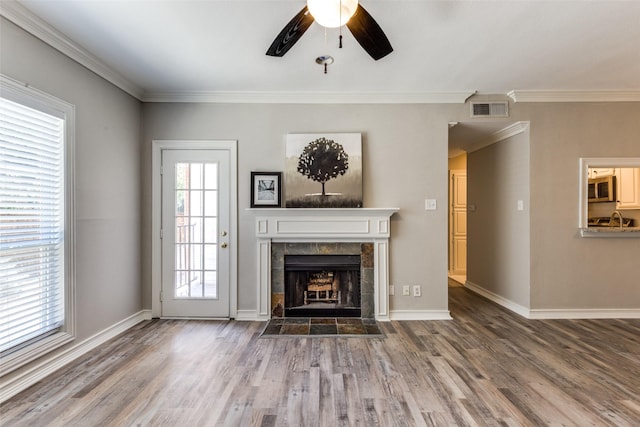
{"points": [[458, 223]]}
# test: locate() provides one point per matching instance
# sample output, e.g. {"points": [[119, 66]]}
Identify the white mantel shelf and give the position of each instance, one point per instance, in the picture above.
{"points": [[324, 211], [323, 225]]}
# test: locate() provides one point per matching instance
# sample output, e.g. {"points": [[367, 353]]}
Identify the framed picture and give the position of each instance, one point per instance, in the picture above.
{"points": [[323, 170], [266, 189]]}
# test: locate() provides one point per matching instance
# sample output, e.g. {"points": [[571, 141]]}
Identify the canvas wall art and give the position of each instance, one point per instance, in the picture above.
{"points": [[323, 170]]}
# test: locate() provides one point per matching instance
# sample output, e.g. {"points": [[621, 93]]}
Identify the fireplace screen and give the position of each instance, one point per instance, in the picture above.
{"points": [[322, 285]]}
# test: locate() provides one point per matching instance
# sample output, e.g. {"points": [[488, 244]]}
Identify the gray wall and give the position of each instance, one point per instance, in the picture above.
{"points": [[107, 177], [498, 234], [568, 271], [405, 161]]}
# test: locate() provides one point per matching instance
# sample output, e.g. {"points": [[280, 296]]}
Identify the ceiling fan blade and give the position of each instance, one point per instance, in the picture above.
{"points": [[291, 33], [368, 33]]}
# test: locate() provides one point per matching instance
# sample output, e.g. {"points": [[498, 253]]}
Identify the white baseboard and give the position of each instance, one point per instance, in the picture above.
{"points": [[419, 315], [248, 316], [603, 313], [560, 313], [498, 299], [13, 384]]}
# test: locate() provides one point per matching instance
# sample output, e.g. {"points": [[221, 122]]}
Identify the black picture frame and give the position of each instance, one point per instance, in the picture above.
{"points": [[266, 189]]}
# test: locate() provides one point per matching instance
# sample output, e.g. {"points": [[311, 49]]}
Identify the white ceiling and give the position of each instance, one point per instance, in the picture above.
{"points": [[172, 47]]}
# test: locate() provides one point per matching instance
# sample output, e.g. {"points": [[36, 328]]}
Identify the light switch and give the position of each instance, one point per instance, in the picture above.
{"points": [[520, 205], [430, 204]]}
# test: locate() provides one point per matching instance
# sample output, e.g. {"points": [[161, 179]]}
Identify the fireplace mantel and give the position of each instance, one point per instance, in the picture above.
{"points": [[323, 225]]}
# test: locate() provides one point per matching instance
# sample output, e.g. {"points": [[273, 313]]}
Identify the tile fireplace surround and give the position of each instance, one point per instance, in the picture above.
{"points": [[364, 251], [323, 228]]}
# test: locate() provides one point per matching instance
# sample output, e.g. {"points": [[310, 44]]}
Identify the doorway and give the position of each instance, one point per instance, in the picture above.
{"points": [[194, 218], [466, 140]]}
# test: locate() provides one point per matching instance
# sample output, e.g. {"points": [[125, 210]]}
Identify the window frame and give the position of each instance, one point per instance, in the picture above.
{"points": [[24, 94]]}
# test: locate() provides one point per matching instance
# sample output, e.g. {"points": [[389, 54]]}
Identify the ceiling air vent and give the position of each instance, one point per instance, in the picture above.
{"points": [[490, 109]]}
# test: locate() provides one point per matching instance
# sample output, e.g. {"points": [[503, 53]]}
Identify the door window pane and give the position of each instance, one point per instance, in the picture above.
{"points": [[196, 223], [195, 207], [196, 176], [210, 257], [210, 285], [210, 230], [211, 176], [211, 203]]}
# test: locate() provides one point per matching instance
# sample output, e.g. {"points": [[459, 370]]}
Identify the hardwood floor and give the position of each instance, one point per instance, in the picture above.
{"points": [[487, 367]]}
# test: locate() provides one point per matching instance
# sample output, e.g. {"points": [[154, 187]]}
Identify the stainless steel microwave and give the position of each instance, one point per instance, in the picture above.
{"points": [[602, 189]]}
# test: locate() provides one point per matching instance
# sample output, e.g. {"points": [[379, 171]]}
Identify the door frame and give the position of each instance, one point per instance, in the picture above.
{"points": [[156, 218]]}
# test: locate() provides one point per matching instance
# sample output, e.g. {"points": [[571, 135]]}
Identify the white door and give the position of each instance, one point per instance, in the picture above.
{"points": [[195, 233], [458, 223]]}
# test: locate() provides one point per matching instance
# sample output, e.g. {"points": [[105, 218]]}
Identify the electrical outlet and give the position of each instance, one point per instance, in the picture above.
{"points": [[417, 291], [392, 290], [405, 291]]}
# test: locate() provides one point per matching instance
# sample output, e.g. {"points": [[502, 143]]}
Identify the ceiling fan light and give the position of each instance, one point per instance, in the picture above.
{"points": [[332, 13]]}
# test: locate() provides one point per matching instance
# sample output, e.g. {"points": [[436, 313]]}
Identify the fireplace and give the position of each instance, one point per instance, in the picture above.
{"points": [[341, 275], [282, 232], [322, 286]]}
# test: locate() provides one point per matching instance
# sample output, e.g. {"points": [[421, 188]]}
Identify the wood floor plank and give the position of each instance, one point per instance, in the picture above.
{"points": [[326, 361], [295, 398], [487, 367]]}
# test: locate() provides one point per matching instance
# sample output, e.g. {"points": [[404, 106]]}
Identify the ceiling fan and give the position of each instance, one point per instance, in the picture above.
{"points": [[343, 12]]}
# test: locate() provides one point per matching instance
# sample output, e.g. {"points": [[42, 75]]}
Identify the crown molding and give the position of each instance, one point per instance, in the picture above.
{"points": [[574, 96], [500, 135], [299, 97], [25, 19]]}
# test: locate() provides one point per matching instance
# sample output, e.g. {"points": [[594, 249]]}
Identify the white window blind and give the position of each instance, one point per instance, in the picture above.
{"points": [[32, 218]]}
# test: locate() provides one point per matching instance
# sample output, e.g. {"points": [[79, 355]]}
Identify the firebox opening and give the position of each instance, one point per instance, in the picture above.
{"points": [[322, 286]]}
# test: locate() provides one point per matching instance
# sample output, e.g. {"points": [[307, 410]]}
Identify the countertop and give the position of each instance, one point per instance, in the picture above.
{"points": [[610, 232]]}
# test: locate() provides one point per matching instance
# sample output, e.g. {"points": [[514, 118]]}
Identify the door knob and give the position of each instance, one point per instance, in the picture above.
{"points": [[224, 233], [223, 245]]}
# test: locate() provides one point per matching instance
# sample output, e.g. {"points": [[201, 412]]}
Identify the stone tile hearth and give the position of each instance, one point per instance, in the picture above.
{"points": [[322, 327]]}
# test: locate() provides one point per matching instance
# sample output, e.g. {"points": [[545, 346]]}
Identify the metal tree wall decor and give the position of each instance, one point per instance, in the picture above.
{"points": [[332, 160]]}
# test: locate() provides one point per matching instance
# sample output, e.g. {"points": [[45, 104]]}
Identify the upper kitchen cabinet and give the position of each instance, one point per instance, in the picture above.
{"points": [[599, 172], [628, 191]]}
